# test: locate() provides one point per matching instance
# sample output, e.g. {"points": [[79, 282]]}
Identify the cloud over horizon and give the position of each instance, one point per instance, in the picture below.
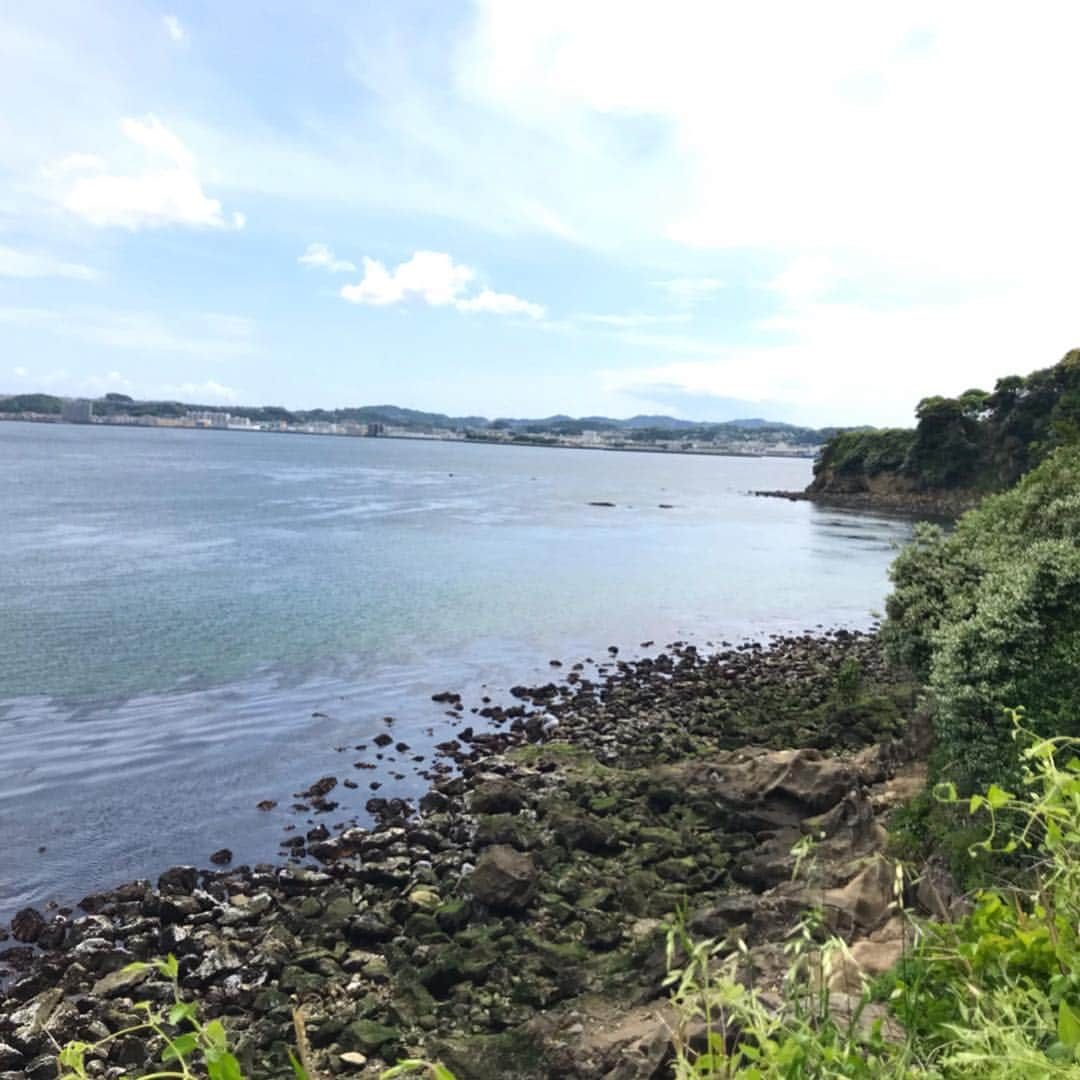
{"points": [[433, 278]]}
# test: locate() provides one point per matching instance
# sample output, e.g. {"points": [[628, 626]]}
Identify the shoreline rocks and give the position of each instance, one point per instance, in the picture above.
{"points": [[943, 505], [526, 892]]}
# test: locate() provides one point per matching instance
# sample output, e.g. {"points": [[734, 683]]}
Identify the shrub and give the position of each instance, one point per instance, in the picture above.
{"points": [[989, 617]]}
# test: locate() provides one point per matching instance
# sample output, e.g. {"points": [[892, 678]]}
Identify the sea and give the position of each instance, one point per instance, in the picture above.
{"points": [[193, 622]]}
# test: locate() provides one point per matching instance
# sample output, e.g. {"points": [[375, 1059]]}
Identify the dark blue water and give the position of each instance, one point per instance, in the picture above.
{"points": [[176, 605]]}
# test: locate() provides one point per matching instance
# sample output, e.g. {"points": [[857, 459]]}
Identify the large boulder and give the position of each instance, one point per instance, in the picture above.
{"points": [[504, 879]]}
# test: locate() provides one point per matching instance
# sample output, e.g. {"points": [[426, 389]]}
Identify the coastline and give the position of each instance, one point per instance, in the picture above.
{"points": [[518, 890], [458, 440], [943, 505]]}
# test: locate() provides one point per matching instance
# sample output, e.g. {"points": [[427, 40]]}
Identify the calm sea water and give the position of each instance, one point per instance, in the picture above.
{"points": [[191, 622]]}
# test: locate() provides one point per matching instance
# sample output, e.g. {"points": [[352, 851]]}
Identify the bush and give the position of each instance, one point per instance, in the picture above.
{"points": [[989, 617]]}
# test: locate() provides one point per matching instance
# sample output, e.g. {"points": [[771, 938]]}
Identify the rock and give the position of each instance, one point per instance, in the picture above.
{"points": [[453, 915], [221, 857], [715, 920], [504, 879], [353, 1060], [584, 833], [768, 865], [10, 1058], [938, 894], [119, 983], [34, 1016], [179, 879], [27, 925], [497, 797], [369, 1035], [320, 788], [864, 902], [868, 958], [368, 928]]}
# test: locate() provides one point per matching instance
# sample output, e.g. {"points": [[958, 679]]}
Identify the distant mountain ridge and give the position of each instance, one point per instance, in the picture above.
{"points": [[414, 419]]}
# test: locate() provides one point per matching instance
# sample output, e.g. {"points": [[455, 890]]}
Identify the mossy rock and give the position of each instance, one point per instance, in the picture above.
{"points": [[453, 915], [506, 829], [370, 1037], [634, 890]]}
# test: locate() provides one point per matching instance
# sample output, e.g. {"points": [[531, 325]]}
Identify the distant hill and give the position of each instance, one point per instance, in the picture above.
{"points": [[637, 428]]}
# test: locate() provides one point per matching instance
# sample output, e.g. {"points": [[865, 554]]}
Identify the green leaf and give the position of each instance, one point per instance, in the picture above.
{"points": [[214, 1034], [997, 797], [180, 1046], [402, 1067], [1068, 1025], [183, 1010], [170, 968], [441, 1072], [298, 1070], [223, 1067]]}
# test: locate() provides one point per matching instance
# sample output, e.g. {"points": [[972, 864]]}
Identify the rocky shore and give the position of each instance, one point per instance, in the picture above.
{"points": [[512, 923], [932, 504]]}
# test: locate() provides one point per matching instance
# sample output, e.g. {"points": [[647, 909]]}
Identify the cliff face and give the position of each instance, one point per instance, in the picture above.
{"points": [[960, 449], [893, 491], [884, 485]]}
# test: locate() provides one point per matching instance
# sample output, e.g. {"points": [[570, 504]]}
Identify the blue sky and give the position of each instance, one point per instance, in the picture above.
{"points": [[817, 213]]}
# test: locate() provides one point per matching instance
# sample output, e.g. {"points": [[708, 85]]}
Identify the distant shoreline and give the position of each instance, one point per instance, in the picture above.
{"points": [[449, 438]]}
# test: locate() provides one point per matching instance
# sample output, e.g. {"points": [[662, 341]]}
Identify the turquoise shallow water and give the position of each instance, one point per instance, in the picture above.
{"points": [[177, 604]]}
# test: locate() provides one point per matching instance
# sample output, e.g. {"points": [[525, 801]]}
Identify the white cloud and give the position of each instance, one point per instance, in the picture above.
{"points": [[632, 320], [19, 372], [831, 359], [164, 188], [27, 264], [113, 381], [208, 391], [501, 304], [877, 148], [74, 163], [174, 28], [691, 290], [202, 335], [321, 256], [431, 276], [806, 278]]}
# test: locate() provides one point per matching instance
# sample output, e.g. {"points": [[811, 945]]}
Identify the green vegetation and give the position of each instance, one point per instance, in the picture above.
{"points": [[36, 403], [995, 995], [989, 618], [188, 1047], [978, 441]]}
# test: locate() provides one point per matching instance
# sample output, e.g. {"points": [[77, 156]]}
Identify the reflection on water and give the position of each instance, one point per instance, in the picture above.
{"points": [[178, 605]]}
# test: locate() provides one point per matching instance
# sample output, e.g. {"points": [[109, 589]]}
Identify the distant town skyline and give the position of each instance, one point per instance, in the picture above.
{"points": [[810, 214]]}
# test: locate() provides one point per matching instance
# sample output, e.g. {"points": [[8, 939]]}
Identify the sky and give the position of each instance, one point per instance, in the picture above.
{"points": [[818, 213]]}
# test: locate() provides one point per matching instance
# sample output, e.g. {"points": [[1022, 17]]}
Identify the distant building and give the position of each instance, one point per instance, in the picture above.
{"points": [[79, 411], [208, 418], [376, 429]]}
